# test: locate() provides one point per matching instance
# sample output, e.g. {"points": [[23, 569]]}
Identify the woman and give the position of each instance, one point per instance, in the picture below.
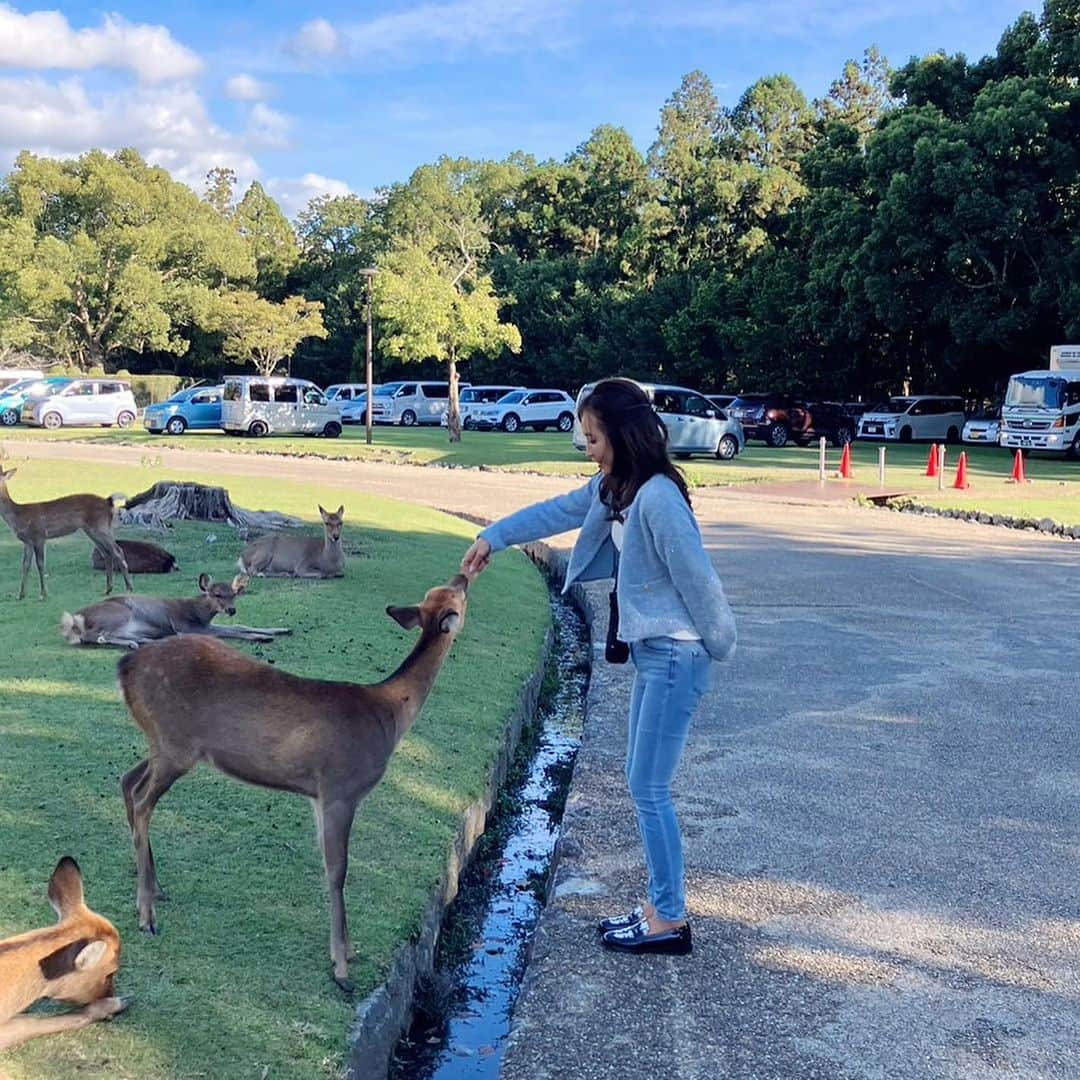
{"points": [[636, 525]]}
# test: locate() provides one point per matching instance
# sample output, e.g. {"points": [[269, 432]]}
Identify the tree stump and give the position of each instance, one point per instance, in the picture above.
{"points": [[172, 501]]}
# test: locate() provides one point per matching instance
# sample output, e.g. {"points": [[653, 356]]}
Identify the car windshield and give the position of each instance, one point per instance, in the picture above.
{"points": [[512, 398], [1036, 392], [182, 395], [387, 389], [894, 406], [20, 386]]}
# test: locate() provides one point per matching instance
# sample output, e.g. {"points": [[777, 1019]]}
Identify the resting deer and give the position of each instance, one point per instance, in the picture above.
{"points": [[142, 558], [283, 555], [198, 700], [131, 621], [34, 523], [73, 961]]}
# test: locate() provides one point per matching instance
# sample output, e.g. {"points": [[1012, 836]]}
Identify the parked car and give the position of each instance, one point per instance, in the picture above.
{"points": [[694, 425], [256, 405], [345, 392], [721, 401], [776, 418], [984, 429], [923, 416], [15, 394], [410, 403], [197, 407], [473, 398], [355, 410], [82, 402], [538, 409], [9, 376]]}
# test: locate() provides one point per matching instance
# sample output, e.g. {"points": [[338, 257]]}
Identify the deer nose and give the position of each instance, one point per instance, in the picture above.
{"points": [[460, 581], [231, 609]]}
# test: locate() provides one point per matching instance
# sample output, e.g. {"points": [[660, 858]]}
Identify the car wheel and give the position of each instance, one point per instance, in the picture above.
{"points": [[9, 417], [125, 419], [777, 436], [408, 418], [566, 422], [469, 424], [842, 436], [177, 425], [258, 428], [511, 423], [905, 434], [952, 437], [52, 421], [727, 448], [332, 430]]}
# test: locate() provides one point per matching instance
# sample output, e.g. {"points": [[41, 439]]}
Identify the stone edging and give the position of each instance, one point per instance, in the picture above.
{"points": [[382, 1017], [984, 517]]}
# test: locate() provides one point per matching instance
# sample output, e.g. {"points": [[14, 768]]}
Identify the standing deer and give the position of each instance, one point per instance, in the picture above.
{"points": [[34, 523], [73, 961], [198, 700], [130, 621], [281, 555], [142, 558]]}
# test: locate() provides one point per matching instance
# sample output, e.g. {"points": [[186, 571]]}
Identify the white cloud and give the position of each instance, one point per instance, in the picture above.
{"points": [[45, 39], [267, 127], [246, 88], [169, 127], [314, 39], [293, 195]]}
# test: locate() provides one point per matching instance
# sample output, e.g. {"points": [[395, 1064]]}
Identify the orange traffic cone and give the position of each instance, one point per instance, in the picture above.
{"points": [[931, 461], [845, 462], [1018, 469], [961, 480]]}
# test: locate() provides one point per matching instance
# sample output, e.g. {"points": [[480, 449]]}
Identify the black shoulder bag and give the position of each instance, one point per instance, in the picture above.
{"points": [[615, 651]]}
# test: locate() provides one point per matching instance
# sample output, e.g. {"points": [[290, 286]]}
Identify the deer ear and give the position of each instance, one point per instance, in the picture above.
{"points": [[65, 887], [6, 473], [341, 511], [92, 955], [322, 513], [65, 960], [449, 622], [240, 583], [408, 617]]}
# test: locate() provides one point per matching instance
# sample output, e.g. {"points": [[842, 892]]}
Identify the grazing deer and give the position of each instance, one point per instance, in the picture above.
{"points": [[141, 557], [198, 700], [132, 620], [34, 523], [282, 555], [73, 961]]}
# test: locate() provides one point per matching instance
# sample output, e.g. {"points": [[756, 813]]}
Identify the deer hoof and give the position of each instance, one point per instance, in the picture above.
{"points": [[107, 1008]]}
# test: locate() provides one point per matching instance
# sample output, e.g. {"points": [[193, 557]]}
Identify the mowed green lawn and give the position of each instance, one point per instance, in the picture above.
{"points": [[237, 984]]}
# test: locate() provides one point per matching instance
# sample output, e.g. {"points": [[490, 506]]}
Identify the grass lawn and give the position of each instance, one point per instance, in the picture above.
{"points": [[237, 984]]}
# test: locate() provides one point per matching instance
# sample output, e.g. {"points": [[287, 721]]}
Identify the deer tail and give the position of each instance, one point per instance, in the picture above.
{"points": [[72, 628]]}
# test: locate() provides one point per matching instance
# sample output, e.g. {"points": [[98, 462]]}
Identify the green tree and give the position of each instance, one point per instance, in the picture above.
{"points": [[259, 332], [259, 220], [860, 97], [218, 192]]}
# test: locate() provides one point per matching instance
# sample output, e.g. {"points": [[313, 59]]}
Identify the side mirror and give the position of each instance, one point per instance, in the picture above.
{"points": [[710, 414]]}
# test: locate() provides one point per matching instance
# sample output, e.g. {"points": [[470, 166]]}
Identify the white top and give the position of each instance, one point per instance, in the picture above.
{"points": [[617, 539]]}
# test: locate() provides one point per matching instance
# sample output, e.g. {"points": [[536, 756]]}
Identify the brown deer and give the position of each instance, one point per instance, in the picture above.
{"points": [[282, 555], [132, 620], [142, 558], [34, 523], [198, 700], [73, 961]]}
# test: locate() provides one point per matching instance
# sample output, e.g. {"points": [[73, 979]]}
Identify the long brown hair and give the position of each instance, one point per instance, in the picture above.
{"points": [[638, 438]]}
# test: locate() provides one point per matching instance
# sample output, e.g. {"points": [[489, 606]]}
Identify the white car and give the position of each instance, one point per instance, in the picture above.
{"points": [[924, 416], [982, 429], [538, 409], [473, 398], [83, 402]]}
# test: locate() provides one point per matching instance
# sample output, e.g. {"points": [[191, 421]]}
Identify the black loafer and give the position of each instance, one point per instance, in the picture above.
{"points": [[621, 922], [636, 939]]}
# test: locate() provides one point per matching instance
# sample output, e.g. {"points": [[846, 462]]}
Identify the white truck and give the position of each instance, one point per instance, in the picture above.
{"points": [[1042, 408]]}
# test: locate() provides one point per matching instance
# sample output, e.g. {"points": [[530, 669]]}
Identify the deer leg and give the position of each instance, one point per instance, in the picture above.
{"points": [[335, 822], [20, 1028], [27, 559], [39, 558], [113, 556], [128, 783], [155, 781], [248, 633]]}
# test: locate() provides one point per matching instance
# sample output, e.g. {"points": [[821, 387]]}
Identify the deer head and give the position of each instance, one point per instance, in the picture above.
{"points": [[442, 610], [222, 595], [332, 524]]}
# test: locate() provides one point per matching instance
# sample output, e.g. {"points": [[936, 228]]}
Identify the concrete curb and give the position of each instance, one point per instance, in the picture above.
{"points": [[383, 1016]]}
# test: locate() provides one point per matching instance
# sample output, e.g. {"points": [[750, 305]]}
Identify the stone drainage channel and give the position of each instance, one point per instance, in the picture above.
{"points": [[461, 1014]]}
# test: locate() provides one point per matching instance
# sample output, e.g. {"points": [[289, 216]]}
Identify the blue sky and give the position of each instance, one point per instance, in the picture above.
{"points": [[348, 97]]}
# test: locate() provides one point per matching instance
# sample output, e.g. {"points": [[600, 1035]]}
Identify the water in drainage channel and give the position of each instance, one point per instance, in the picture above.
{"points": [[462, 1014]]}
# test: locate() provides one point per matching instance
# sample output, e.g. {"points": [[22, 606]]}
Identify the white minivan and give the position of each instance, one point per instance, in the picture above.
{"points": [[256, 405], [81, 402], [411, 403], [923, 416]]}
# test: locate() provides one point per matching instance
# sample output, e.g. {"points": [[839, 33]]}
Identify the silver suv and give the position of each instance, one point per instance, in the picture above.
{"points": [[83, 402]]}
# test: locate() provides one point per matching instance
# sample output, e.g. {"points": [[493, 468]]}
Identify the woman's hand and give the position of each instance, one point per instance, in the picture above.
{"points": [[476, 558]]}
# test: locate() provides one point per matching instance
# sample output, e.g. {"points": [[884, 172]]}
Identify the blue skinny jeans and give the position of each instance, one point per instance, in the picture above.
{"points": [[671, 677]]}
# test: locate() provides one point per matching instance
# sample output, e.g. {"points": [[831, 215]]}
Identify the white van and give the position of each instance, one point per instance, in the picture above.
{"points": [[81, 402], [14, 375], [924, 416], [256, 405], [348, 391], [411, 403]]}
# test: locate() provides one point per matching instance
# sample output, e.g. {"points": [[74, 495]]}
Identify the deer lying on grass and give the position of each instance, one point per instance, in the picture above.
{"points": [[198, 700], [130, 621], [73, 961], [34, 523], [282, 555], [141, 557]]}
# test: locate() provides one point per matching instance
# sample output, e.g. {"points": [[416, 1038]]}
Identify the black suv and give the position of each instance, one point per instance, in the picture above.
{"points": [[775, 418]]}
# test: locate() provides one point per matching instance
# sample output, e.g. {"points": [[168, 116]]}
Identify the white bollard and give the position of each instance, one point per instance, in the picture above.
{"points": [[881, 465], [821, 460], [941, 468]]}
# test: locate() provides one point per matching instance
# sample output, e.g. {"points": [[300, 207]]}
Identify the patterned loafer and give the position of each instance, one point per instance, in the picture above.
{"points": [[621, 922], [636, 939]]}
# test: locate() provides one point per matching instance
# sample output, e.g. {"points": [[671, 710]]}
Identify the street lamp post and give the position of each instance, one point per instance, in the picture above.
{"points": [[368, 273]]}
